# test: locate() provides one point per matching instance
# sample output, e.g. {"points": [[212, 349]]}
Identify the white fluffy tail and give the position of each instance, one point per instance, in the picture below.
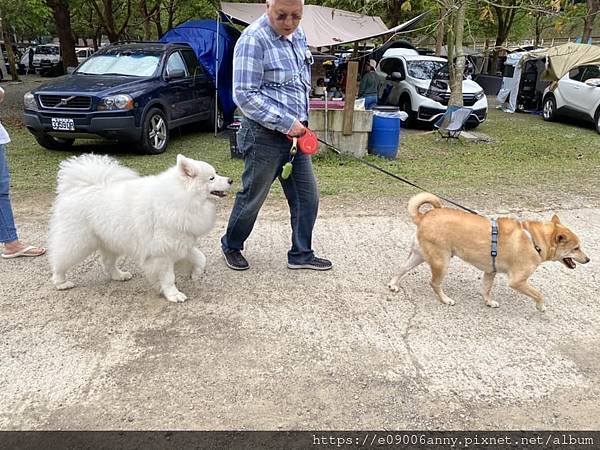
{"points": [[90, 170]]}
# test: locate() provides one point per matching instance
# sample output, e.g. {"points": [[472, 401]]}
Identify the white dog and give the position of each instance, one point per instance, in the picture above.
{"points": [[104, 206]]}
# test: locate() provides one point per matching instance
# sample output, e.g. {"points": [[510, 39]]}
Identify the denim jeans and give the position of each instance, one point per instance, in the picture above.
{"points": [[370, 102], [265, 152], [8, 231]]}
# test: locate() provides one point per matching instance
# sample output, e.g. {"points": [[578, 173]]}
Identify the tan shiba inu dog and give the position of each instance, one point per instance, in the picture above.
{"points": [[522, 246]]}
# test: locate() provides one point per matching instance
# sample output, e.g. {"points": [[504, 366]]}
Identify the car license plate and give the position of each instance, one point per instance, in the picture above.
{"points": [[61, 124]]}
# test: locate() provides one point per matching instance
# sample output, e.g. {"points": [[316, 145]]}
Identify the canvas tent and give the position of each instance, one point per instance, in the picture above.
{"points": [[324, 27], [563, 58], [215, 53], [534, 69]]}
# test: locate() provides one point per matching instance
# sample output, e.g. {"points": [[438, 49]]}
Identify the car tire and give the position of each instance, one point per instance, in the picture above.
{"points": [[406, 106], [52, 143], [597, 116], [220, 119], [155, 132], [549, 109]]}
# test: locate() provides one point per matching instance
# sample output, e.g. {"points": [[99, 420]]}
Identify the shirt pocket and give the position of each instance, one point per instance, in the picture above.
{"points": [[279, 74]]}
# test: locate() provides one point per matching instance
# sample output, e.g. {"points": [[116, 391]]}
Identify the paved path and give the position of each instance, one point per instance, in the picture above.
{"points": [[275, 349]]}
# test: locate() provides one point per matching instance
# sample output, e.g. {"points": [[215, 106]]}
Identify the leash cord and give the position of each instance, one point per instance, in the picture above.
{"points": [[373, 166]]}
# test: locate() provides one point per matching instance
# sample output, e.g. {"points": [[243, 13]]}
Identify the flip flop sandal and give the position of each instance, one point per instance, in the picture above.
{"points": [[27, 251]]}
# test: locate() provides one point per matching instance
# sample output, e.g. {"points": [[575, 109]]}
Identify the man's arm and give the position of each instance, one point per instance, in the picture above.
{"points": [[248, 70]]}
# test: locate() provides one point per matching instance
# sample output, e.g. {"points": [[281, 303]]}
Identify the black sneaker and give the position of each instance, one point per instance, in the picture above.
{"points": [[236, 261], [315, 264]]}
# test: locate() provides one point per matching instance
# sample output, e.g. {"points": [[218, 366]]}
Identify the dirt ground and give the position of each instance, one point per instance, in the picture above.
{"points": [[272, 349]]}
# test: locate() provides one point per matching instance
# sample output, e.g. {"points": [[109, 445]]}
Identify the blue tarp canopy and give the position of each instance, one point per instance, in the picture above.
{"points": [[201, 35]]}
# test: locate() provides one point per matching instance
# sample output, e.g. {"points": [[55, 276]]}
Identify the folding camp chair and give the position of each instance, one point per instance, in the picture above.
{"points": [[452, 123]]}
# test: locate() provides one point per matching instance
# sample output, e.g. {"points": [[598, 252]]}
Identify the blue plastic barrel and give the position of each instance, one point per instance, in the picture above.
{"points": [[385, 136]]}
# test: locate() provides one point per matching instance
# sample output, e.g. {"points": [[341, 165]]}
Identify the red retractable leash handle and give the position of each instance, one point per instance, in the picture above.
{"points": [[308, 142]]}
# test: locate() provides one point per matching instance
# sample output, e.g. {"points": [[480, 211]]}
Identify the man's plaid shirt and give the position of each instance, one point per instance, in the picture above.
{"points": [[271, 76]]}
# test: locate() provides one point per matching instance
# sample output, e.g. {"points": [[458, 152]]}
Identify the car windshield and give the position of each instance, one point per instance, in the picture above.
{"points": [[127, 64], [46, 50], [426, 70]]}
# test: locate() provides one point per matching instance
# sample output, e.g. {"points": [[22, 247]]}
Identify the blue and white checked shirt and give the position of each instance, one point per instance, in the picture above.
{"points": [[271, 76]]}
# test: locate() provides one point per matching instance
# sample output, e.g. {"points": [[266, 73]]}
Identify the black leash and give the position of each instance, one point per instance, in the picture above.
{"points": [[339, 152]]}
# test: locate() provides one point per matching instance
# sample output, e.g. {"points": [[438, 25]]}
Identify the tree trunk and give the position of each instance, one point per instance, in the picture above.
{"points": [[147, 17], [62, 19], [456, 61], [439, 38], [158, 23], [9, 51], [593, 7], [107, 18]]}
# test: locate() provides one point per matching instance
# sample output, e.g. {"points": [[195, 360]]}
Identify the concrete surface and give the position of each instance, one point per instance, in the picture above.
{"points": [[274, 349], [355, 144]]}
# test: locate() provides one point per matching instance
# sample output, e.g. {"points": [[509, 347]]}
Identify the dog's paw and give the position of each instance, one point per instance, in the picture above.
{"points": [[178, 297], [64, 285], [493, 304], [122, 276], [541, 307], [448, 301]]}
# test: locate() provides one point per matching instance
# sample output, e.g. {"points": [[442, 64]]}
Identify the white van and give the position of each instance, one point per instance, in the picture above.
{"points": [[46, 59]]}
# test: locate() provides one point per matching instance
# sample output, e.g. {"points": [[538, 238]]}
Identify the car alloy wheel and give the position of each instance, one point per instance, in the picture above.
{"points": [[549, 108], [157, 132]]}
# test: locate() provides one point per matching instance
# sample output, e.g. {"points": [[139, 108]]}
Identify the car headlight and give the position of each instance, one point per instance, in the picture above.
{"points": [[116, 103], [422, 91], [29, 101], [479, 95]]}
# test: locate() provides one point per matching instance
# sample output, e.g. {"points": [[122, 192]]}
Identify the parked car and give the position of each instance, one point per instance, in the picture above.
{"points": [[83, 53], [418, 85], [577, 95], [135, 92], [47, 60]]}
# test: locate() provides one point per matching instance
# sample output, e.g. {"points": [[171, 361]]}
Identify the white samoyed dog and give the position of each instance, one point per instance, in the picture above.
{"points": [[101, 205]]}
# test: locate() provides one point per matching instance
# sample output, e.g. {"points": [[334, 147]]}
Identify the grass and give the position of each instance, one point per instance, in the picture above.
{"points": [[527, 155]]}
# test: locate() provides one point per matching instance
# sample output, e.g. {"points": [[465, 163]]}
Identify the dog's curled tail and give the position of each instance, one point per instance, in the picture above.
{"points": [[415, 203], [88, 170]]}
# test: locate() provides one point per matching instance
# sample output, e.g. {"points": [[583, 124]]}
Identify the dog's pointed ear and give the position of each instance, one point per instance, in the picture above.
{"points": [[185, 167], [555, 220]]}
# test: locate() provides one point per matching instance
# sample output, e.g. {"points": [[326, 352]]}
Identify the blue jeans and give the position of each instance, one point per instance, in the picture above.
{"points": [[265, 152], [370, 102], [8, 231]]}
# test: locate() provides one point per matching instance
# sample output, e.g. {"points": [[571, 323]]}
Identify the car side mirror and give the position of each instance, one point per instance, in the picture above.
{"points": [[593, 82], [396, 76], [70, 70], [175, 74]]}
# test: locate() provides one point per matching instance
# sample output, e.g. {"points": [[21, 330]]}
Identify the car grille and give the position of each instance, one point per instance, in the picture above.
{"points": [[468, 99], [65, 101]]}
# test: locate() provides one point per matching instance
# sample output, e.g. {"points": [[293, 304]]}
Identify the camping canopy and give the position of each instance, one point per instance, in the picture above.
{"points": [[563, 58], [324, 27], [201, 35]]}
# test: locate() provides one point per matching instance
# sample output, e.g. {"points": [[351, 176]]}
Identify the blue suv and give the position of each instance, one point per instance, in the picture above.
{"points": [[132, 92]]}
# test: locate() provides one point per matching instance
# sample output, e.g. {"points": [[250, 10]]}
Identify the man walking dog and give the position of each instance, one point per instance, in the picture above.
{"points": [[271, 86]]}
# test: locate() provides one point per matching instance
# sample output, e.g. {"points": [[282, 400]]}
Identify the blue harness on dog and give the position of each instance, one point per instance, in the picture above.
{"points": [[494, 251]]}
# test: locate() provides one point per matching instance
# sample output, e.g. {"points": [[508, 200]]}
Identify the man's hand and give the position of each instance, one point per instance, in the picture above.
{"points": [[297, 129], [1, 95]]}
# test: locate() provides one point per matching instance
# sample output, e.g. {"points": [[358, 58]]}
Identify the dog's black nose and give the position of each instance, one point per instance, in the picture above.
{"points": [[587, 260], [229, 180]]}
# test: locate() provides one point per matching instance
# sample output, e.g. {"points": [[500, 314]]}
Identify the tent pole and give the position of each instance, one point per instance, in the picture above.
{"points": [[217, 75]]}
